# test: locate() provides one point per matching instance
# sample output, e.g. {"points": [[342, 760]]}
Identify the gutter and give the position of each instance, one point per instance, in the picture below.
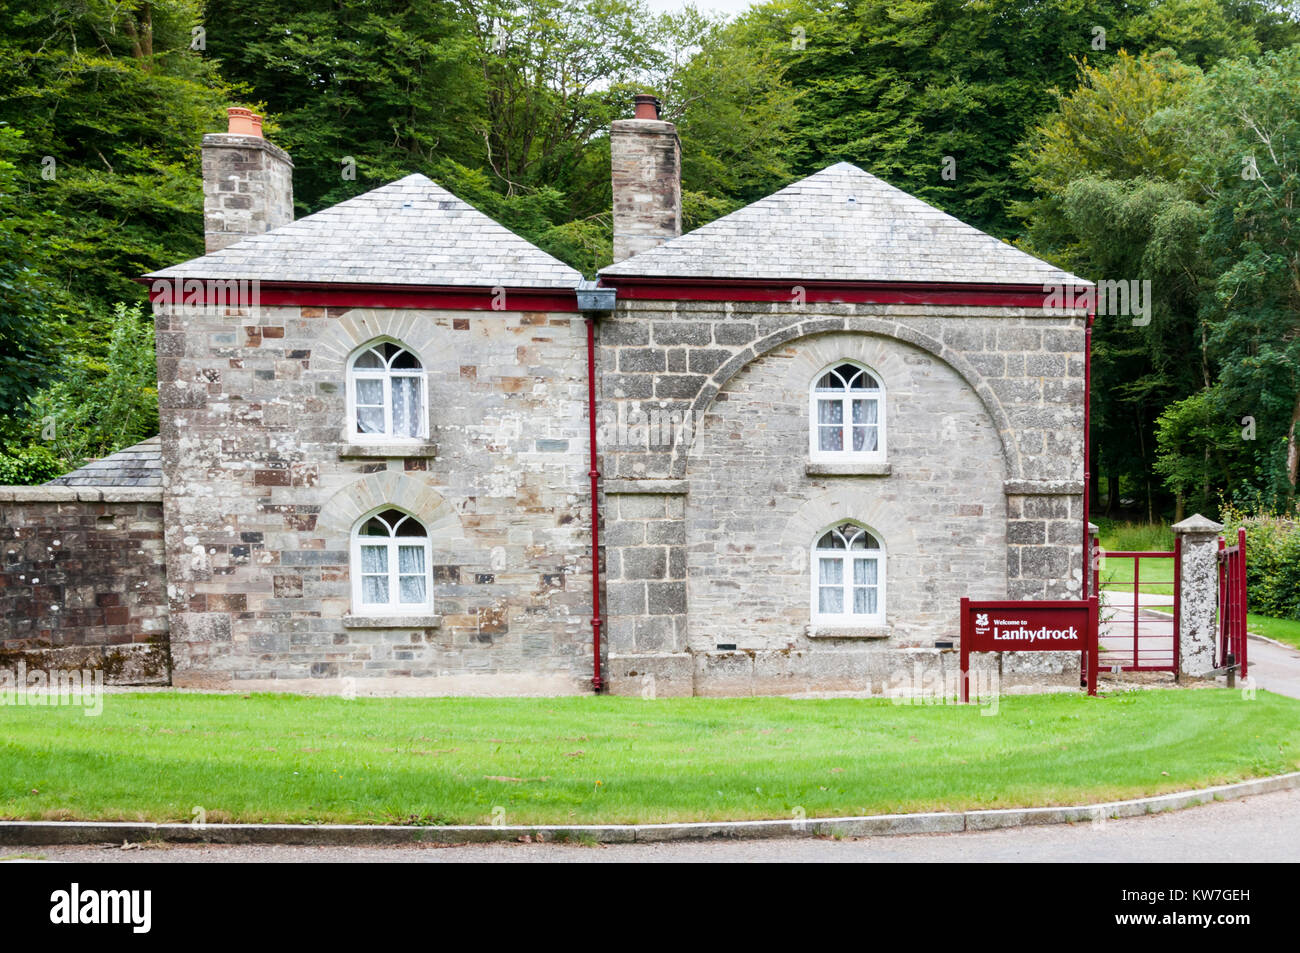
{"points": [[1087, 451], [594, 301]]}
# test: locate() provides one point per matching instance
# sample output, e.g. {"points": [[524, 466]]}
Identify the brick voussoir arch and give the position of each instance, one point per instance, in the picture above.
{"points": [[342, 510], [861, 325]]}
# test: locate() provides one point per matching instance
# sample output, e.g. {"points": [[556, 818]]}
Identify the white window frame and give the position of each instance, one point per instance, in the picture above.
{"points": [[846, 558], [385, 375], [815, 453], [392, 542]]}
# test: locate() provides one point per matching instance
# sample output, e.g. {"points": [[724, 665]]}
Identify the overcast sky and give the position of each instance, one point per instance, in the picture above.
{"points": [[729, 7]]}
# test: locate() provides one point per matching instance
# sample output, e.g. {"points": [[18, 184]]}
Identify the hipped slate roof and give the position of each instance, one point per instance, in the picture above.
{"points": [[842, 224], [409, 232], [140, 465]]}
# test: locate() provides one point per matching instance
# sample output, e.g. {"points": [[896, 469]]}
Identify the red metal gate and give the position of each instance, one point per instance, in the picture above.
{"points": [[1139, 630], [1232, 604]]}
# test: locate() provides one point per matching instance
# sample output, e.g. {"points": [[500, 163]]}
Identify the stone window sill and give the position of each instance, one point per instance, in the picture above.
{"points": [[392, 621], [371, 451], [847, 632], [813, 468]]}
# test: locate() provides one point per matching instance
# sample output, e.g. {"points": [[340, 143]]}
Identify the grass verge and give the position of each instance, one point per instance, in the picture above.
{"points": [[277, 758], [1283, 630]]}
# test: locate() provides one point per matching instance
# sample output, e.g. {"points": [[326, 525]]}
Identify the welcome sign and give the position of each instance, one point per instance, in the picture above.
{"points": [[1052, 625]]}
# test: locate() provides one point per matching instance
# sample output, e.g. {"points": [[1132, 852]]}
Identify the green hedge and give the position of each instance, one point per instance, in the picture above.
{"points": [[1272, 561]]}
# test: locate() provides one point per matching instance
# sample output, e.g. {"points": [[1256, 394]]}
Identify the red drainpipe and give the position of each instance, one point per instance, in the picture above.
{"points": [[1087, 447], [594, 473]]}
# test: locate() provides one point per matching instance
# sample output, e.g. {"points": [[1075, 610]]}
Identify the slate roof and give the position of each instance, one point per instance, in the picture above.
{"points": [[409, 232], [140, 465], [842, 224]]}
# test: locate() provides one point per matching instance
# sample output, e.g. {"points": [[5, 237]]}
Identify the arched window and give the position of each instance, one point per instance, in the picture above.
{"points": [[391, 564], [386, 393], [848, 573], [847, 415]]}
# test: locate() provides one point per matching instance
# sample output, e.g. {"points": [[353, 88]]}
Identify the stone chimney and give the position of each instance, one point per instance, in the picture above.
{"points": [[646, 162], [247, 182]]}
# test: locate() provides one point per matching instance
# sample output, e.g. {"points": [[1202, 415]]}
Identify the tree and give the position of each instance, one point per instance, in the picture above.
{"points": [[1110, 205], [25, 326], [112, 101], [358, 93], [1240, 130], [100, 406]]}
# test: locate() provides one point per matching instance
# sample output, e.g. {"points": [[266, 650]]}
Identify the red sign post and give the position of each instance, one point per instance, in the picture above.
{"points": [[1060, 625]]}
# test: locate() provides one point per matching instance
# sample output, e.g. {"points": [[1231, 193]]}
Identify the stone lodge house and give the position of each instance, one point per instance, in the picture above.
{"points": [[818, 422]]}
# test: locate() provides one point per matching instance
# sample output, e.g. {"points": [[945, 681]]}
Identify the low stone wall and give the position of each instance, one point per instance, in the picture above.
{"points": [[82, 582]]}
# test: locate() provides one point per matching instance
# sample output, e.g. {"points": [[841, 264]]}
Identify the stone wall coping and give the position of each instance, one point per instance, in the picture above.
{"points": [[1196, 524], [1042, 487], [81, 494], [847, 469], [232, 140], [392, 621], [372, 451], [652, 487]]}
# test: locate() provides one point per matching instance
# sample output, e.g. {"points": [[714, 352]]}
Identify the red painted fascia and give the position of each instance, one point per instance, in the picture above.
{"points": [[442, 297], [644, 288]]}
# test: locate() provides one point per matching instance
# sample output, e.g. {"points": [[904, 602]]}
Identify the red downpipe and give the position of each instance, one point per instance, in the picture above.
{"points": [[1087, 449], [594, 473]]}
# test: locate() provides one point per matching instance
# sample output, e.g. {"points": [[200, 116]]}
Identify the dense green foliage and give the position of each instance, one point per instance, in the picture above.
{"points": [[1109, 138], [1272, 561]]}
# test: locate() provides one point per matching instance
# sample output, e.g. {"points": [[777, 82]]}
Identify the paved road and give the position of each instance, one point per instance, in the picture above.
{"points": [[1263, 828], [1274, 667]]}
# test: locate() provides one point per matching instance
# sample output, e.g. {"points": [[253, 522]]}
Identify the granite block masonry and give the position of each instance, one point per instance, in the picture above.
{"points": [[82, 583], [1198, 595], [280, 440], [247, 182], [645, 161], [709, 535]]}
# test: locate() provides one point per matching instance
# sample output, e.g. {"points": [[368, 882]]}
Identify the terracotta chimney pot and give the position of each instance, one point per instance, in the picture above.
{"points": [[243, 122]]}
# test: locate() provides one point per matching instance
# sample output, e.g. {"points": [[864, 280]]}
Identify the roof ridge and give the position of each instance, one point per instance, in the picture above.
{"points": [[410, 231], [842, 223]]}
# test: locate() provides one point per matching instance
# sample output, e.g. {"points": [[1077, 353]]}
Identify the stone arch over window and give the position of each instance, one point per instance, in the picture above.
{"points": [[342, 335], [846, 414], [848, 576], [387, 393], [391, 564], [855, 324], [375, 491]]}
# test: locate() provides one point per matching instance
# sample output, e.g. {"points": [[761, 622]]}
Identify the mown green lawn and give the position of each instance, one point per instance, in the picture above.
{"points": [[591, 760], [1283, 630], [1157, 576]]}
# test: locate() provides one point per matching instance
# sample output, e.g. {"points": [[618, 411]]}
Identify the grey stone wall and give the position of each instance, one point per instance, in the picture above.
{"points": [[247, 188], [82, 582], [983, 496], [645, 162], [263, 490]]}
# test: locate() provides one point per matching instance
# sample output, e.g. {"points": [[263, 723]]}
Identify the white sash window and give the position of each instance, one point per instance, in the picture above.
{"points": [[847, 419], [391, 565], [848, 577], [386, 394]]}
